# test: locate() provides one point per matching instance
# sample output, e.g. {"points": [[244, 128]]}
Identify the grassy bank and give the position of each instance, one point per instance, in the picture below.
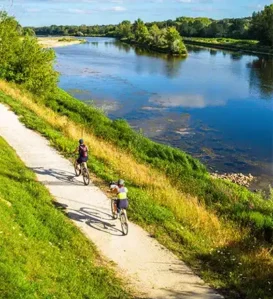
{"points": [[43, 255], [247, 46], [223, 231]]}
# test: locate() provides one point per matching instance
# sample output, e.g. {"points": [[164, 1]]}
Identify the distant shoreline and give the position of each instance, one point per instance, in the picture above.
{"points": [[247, 49], [56, 42]]}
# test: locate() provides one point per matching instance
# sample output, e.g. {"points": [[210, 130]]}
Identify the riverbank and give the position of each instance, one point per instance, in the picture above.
{"points": [[245, 46], [209, 223], [55, 42]]}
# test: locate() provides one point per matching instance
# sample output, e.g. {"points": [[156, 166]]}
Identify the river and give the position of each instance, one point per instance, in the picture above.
{"points": [[216, 105]]}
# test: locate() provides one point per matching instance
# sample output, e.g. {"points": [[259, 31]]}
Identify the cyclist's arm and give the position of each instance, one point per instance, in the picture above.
{"points": [[114, 188], [76, 150]]}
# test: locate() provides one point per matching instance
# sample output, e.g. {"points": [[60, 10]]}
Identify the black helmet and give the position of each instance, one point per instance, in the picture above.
{"points": [[81, 141], [121, 182]]}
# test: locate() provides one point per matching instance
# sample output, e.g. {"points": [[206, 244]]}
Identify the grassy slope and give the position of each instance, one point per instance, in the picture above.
{"points": [[42, 254], [251, 46], [226, 254]]}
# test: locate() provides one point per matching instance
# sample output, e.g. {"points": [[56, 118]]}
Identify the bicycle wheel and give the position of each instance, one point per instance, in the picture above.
{"points": [[114, 212], [77, 169], [124, 223], [86, 177]]}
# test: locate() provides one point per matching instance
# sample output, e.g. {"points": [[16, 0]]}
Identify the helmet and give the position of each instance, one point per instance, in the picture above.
{"points": [[121, 182], [81, 141]]}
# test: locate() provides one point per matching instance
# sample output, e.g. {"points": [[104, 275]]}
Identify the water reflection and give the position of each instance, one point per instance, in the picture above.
{"points": [[123, 46], [261, 74], [236, 56], [197, 101], [213, 52], [173, 66], [96, 44]]}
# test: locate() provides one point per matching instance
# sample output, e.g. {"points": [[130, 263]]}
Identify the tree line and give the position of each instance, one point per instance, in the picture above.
{"points": [[259, 26]]}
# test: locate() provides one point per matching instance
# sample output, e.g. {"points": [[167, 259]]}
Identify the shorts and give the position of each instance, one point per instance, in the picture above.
{"points": [[122, 204], [80, 160]]}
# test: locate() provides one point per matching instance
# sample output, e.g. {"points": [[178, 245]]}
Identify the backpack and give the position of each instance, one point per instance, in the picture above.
{"points": [[83, 151]]}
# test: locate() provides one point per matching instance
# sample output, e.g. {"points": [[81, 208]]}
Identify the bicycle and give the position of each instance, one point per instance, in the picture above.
{"points": [[82, 170], [123, 216]]}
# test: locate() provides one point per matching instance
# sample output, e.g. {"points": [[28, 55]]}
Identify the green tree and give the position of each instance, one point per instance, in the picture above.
{"points": [[9, 41], [141, 31], [174, 41], [34, 67], [155, 34], [23, 61], [262, 25], [29, 32], [124, 29]]}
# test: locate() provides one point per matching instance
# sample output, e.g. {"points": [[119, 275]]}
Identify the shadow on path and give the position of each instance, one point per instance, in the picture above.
{"points": [[171, 294], [64, 178], [97, 219]]}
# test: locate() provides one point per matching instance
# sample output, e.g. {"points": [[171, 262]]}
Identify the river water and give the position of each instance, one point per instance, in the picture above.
{"points": [[216, 105]]}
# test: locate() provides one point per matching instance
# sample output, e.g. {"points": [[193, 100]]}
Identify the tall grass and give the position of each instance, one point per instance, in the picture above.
{"points": [[219, 246]]}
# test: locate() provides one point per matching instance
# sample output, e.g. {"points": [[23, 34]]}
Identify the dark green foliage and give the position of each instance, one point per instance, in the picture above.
{"points": [[262, 25], [22, 60], [167, 40]]}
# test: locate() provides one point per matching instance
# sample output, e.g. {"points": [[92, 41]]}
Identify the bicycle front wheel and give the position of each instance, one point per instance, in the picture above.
{"points": [[86, 177], [124, 223]]}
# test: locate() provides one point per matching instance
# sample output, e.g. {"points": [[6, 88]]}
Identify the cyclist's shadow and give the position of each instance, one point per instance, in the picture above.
{"points": [[96, 219], [63, 177]]}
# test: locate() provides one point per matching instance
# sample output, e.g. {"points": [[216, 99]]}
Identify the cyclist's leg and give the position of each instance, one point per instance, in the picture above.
{"points": [[118, 205], [124, 204], [115, 205], [84, 161], [79, 161]]}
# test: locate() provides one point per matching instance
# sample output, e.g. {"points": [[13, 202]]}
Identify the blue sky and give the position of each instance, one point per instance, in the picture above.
{"points": [[89, 12]]}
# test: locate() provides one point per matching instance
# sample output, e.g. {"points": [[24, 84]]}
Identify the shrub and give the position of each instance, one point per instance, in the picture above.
{"points": [[23, 61]]}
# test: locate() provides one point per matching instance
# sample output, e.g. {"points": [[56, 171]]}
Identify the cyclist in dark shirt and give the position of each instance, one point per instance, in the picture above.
{"points": [[82, 149]]}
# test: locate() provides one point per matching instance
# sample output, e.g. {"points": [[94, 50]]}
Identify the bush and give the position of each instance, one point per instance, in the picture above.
{"points": [[23, 61]]}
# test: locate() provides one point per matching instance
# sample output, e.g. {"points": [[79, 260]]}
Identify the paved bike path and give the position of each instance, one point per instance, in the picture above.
{"points": [[152, 270]]}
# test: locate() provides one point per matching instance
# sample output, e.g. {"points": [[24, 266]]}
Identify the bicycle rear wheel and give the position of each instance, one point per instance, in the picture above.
{"points": [[86, 177], [113, 209], [124, 223]]}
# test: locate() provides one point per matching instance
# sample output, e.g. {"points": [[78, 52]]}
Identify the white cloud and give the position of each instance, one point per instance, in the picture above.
{"points": [[32, 9], [185, 1], [118, 8], [99, 9]]}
